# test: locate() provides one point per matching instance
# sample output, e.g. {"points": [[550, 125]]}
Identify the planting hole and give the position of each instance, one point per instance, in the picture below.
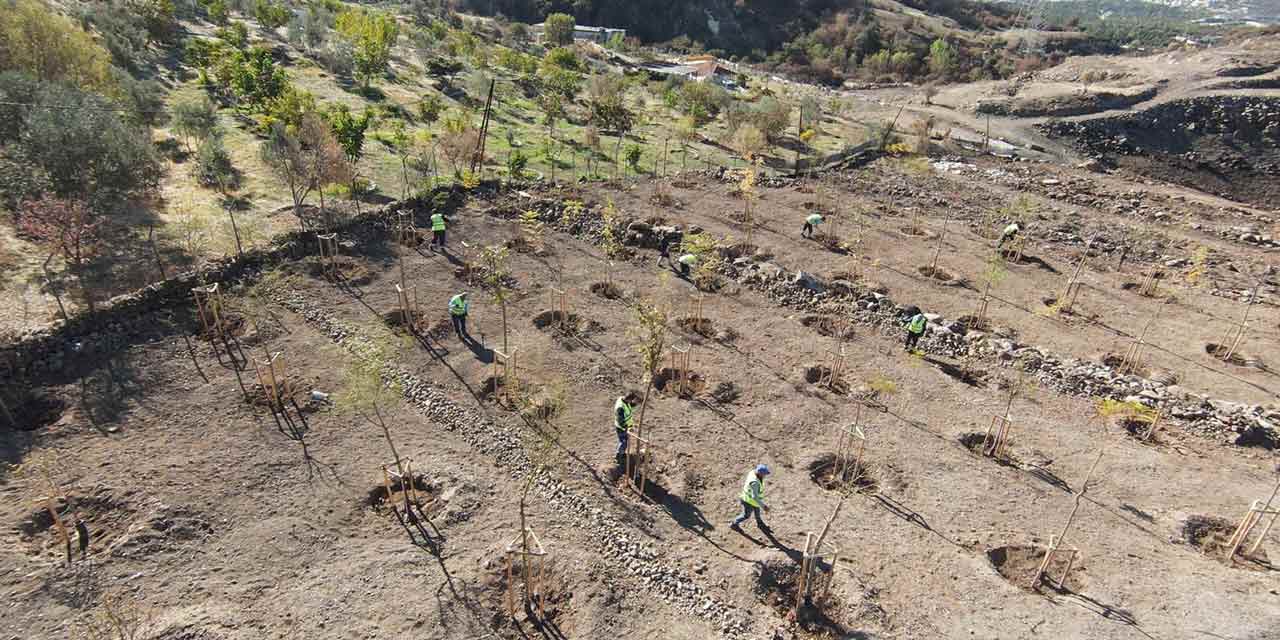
{"points": [[777, 584], [833, 473], [1219, 352], [667, 381], [606, 290], [1018, 565], [704, 327], [821, 374], [556, 319], [830, 326], [937, 273], [38, 410]]}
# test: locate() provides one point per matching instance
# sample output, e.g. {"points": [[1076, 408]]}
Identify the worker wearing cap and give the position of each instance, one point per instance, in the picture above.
{"points": [[752, 498], [458, 307], [810, 222], [687, 261], [437, 230], [623, 409], [1009, 233]]}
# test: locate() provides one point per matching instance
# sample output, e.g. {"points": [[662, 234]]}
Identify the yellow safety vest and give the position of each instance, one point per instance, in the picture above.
{"points": [[917, 323], [753, 496], [437, 222], [458, 305], [626, 415]]}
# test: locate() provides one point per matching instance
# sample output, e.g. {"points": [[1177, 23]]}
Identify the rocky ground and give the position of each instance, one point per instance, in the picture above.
{"points": [[210, 517]]}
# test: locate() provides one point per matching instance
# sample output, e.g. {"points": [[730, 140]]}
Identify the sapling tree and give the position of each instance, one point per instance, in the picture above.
{"points": [[534, 231], [118, 617], [995, 272], [650, 334], [496, 275], [747, 189], [370, 391], [613, 248]]}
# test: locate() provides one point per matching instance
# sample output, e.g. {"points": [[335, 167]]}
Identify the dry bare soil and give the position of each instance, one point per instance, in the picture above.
{"points": [[218, 520]]}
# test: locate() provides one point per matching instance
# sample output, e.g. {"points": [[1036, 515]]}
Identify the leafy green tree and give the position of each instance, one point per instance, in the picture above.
{"points": [[46, 45], [562, 58], [305, 157], [558, 29], [608, 107], [430, 108], [270, 15], [252, 77], [80, 141], [349, 131], [195, 119], [372, 34], [942, 58], [218, 11], [213, 166]]}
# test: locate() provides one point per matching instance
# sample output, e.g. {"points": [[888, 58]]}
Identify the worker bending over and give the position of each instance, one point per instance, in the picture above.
{"points": [[458, 307], [812, 221], [623, 409], [752, 499], [687, 262], [1008, 233]]}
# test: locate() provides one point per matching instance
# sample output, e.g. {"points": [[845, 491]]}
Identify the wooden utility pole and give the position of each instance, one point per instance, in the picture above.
{"points": [[484, 130]]}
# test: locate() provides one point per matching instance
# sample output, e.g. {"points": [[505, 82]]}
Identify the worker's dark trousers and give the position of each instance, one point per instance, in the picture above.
{"points": [[684, 269], [747, 512], [1003, 239], [623, 437], [459, 324], [807, 231], [912, 339], [437, 239], [664, 257]]}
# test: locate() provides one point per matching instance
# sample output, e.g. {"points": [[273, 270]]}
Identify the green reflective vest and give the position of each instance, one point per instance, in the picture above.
{"points": [[917, 323], [437, 222], [753, 489], [1011, 229], [814, 219], [626, 415], [458, 305], [689, 259]]}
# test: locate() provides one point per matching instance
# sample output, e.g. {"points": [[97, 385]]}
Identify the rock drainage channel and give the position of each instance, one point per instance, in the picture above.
{"points": [[669, 582]]}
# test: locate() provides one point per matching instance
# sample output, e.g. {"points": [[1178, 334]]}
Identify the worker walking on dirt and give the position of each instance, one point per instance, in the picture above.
{"points": [[437, 231], [458, 307], [687, 262], [752, 499], [664, 250], [1009, 233], [812, 221], [915, 328], [623, 409]]}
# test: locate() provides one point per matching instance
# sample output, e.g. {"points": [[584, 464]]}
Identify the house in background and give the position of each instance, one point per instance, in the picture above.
{"points": [[583, 33], [701, 68]]}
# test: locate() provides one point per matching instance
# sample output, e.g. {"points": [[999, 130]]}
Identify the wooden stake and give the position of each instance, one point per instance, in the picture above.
{"points": [[1054, 542]]}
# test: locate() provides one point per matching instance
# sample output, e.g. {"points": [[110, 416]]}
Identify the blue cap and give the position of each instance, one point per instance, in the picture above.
{"points": [[762, 469]]}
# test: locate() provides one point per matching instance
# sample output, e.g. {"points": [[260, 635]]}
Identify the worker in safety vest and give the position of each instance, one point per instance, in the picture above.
{"points": [[664, 249], [752, 499], [623, 409], [1009, 233], [437, 230], [458, 307], [915, 329], [687, 261], [812, 221]]}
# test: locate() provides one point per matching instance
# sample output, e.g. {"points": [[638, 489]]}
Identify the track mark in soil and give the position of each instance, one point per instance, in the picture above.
{"points": [[833, 474], [1018, 565]]}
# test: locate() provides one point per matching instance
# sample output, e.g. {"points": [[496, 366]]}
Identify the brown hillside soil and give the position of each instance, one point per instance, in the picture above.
{"points": [[228, 522]]}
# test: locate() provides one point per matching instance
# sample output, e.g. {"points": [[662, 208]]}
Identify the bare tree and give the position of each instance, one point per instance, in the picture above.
{"points": [[306, 159]]}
